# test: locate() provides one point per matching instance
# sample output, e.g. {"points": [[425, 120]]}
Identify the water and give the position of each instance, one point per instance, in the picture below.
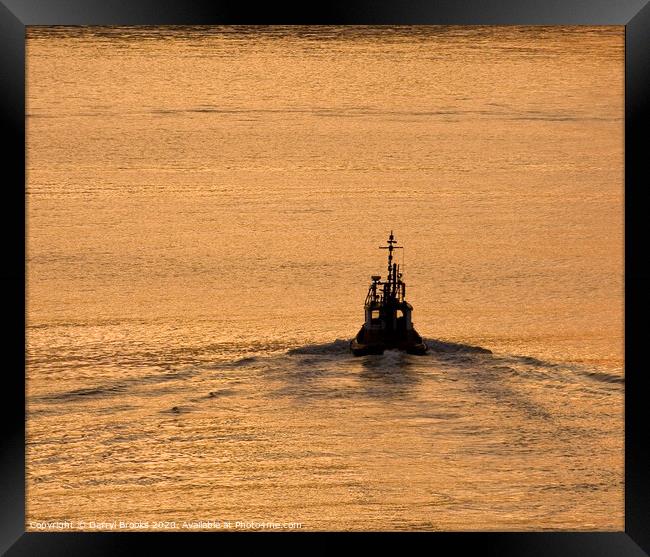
{"points": [[203, 211]]}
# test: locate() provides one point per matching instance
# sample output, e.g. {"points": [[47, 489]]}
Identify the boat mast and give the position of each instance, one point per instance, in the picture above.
{"points": [[391, 281]]}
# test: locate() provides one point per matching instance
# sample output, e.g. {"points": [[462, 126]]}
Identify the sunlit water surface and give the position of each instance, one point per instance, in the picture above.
{"points": [[204, 207]]}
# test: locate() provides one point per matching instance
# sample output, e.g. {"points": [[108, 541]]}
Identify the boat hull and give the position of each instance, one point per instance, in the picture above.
{"points": [[368, 342]]}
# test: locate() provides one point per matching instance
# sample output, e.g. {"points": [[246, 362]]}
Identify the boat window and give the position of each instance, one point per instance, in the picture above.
{"points": [[375, 314]]}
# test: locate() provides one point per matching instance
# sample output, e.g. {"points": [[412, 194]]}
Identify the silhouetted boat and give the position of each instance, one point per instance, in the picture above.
{"points": [[388, 322]]}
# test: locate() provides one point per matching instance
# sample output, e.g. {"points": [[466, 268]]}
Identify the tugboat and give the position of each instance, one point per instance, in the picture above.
{"points": [[388, 322]]}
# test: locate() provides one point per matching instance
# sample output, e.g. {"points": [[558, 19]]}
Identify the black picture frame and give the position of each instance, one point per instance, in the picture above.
{"points": [[15, 15]]}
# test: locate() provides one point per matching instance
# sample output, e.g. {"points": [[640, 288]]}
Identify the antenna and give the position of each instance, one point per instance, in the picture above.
{"points": [[392, 268]]}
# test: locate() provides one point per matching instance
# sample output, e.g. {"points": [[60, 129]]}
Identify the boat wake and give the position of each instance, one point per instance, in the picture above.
{"points": [[453, 355], [329, 370], [339, 346], [342, 346], [454, 347]]}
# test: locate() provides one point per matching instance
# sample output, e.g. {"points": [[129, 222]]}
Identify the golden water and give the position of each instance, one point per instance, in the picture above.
{"points": [[203, 211]]}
